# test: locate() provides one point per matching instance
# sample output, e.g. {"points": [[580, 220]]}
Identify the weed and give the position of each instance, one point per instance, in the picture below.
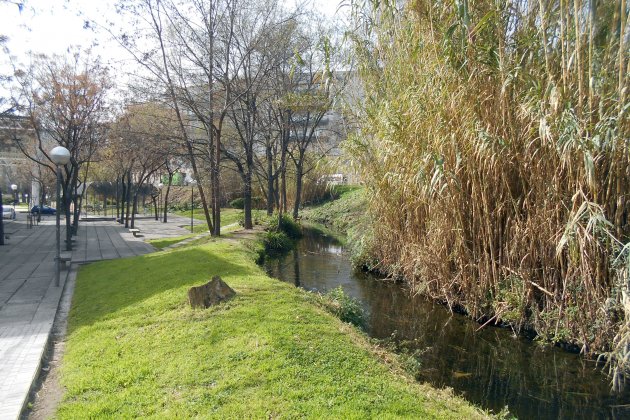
{"points": [[287, 225], [276, 243], [344, 307]]}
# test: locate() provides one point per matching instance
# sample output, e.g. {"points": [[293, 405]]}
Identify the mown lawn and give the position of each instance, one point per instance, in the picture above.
{"points": [[135, 348], [164, 242], [229, 216]]}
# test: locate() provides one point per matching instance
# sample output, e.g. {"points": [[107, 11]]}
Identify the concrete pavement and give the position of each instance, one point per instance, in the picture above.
{"points": [[29, 299]]}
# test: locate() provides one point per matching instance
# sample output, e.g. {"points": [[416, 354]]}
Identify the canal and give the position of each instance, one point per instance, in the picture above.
{"points": [[490, 367]]}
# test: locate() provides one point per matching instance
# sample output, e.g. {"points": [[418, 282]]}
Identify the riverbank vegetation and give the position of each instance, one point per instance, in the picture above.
{"points": [[136, 349], [494, 149], [279, 237], [341, 212], [347, 213]]}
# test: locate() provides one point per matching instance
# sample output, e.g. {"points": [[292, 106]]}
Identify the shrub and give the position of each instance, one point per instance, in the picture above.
{"points": [[286, 224], [237, 203], [344, 307], [276, 243]]}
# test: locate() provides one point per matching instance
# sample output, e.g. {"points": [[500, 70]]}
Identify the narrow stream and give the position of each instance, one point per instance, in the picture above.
{"points": [[489, 367]]}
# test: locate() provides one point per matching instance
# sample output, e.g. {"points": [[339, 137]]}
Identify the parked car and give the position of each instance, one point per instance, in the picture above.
{"points": [[8, 212], [44, 210]]}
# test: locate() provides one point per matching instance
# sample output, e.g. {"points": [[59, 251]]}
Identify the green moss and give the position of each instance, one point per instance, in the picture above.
{"points": [[136, 349]]}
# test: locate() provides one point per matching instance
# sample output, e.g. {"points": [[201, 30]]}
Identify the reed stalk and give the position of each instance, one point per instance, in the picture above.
{"points": [[497, 179]]}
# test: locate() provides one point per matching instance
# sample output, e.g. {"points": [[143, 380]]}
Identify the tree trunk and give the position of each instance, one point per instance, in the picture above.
{"points": [[42, 201], [155, 207], [135, 207], [123, 196], [216, 192], [247, 199], [66, 204], [283, 191], [216, 186], [276, 188], [78, 202], [128, 199], [299, 169], [117, 201], [67, 199], [180, 119], [270, 182], [168, 189]]}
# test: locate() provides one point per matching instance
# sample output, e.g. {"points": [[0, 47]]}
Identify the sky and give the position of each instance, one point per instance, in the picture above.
{"points": [[54, 26]]}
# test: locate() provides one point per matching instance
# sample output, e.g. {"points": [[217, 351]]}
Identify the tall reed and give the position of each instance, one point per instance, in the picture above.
{"points": [[494, 144]]}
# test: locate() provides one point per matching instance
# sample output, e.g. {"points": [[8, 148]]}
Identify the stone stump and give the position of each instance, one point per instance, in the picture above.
{"points": [[211, 293]]}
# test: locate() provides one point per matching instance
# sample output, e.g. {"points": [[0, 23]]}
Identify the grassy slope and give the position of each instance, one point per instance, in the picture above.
{"points": [[135, 348], [341, 214]]}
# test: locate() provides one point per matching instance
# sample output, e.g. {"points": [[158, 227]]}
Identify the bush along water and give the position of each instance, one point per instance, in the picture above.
{"points": [[494, 150], [280, 237], [344, 307], [287, 225]]}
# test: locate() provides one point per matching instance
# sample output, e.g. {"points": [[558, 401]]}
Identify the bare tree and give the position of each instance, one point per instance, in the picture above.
{"points": [[311, 98], [64, 99], [142, 133], [259, 48]]}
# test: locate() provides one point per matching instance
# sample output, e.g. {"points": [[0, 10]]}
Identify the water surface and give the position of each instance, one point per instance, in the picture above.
{"points": [[490, 367]]}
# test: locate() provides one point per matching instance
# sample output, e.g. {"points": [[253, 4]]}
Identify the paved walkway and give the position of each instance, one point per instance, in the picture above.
{"points": [[29, 298]]}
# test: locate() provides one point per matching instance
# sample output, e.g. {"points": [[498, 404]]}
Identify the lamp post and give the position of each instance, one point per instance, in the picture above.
{"points": [[60, 156], [192, 202], [15, 198], [29, 219]]}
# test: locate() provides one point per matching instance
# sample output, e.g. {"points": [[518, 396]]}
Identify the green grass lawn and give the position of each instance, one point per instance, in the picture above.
{"points": [[164, 242], [135, 348], [229, 216]]}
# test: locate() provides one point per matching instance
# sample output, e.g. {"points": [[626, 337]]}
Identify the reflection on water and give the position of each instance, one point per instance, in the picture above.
{"points": [[489, 367]]}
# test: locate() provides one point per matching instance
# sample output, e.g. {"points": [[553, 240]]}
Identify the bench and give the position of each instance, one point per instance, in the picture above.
{"points": [[135, 232], [65, 259]]}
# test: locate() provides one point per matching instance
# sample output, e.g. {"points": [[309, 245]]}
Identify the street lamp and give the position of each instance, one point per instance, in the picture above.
{"points": [[15, 199], [60, 156], [192, 202], [29, 218]]}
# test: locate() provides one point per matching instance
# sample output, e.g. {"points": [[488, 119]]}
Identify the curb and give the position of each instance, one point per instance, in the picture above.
{"points": [[57, 296]]}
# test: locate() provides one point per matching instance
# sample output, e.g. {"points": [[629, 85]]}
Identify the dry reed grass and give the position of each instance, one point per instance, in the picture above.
{"points": [[494, 145]]}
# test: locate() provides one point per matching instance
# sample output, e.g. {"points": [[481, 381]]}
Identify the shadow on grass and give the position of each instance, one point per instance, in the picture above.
{"points": [[122, 288]]}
